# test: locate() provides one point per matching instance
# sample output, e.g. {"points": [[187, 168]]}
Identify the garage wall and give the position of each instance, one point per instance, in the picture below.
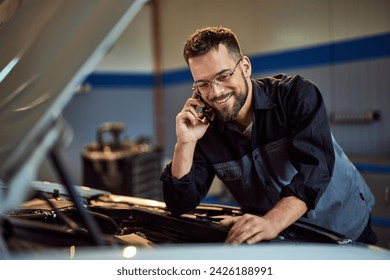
{"points": [[271, 26], [269, 31]]}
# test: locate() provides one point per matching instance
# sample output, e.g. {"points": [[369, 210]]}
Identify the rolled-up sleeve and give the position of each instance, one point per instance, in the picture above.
{"points": [[311, 150], [184, 194]]}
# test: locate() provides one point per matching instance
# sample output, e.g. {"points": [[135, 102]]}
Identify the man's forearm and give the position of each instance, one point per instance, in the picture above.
{"points": [[182, 159], [286, 212]]}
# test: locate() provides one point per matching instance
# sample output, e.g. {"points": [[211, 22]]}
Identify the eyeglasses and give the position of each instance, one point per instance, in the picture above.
{"points": [[220, 80]]}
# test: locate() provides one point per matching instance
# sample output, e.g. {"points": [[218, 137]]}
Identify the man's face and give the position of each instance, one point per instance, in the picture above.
{"points": [[226, 97]]}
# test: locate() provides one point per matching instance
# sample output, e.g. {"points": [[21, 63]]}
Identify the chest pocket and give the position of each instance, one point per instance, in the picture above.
{"points": [[278, 161], [228, 171]]}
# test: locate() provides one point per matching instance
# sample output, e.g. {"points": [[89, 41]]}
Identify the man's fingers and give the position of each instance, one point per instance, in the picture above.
{"points": [[239, 232], [245, 229], [227, 222]]}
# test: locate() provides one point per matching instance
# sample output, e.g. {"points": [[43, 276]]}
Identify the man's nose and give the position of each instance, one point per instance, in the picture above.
{"points": [[216, 87]]}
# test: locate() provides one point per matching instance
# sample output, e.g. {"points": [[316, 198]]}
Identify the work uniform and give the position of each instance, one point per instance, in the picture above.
{"points": [[289, 151]]}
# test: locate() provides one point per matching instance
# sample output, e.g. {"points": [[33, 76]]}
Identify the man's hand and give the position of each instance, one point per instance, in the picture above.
{"points": [[252, 229], [248, 229], [189, 129]]}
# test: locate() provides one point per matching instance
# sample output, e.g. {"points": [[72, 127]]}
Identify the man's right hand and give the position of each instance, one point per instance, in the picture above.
{"points": [[189, 126]]}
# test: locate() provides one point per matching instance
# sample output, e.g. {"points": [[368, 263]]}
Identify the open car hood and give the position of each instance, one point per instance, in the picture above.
{"points": [[47, 50]]}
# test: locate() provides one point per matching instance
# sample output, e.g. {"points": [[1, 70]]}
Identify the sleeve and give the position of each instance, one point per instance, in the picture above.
{"points": [[184, 194], [311, 149]]}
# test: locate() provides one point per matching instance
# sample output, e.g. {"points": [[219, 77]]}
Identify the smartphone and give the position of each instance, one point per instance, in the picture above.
{"points": [[206, 110]]}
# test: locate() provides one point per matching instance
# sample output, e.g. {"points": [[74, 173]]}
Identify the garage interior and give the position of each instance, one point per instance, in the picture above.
{"points": [[130, 99]]}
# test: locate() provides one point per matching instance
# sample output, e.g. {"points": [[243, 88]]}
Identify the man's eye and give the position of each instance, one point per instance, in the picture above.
{"points": [[202, 85], [223, 76]]}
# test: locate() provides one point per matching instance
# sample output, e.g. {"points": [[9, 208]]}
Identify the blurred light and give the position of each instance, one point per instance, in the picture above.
{"points": [[129, 252], [72, 251], [8, 68]]}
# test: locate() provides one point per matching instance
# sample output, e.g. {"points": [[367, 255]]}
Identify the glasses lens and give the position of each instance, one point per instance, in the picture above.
{"points": [[203, 88], [224, 77]]}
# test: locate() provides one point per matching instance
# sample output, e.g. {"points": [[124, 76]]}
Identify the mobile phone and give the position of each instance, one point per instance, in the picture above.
{"points": [[206, 110]]}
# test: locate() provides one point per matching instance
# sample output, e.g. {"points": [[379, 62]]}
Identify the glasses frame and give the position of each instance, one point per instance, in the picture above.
{"points": [[215, 80]]}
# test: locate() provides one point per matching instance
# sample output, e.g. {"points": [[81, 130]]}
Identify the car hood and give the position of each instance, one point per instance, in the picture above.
{"points": [[47, 50]]}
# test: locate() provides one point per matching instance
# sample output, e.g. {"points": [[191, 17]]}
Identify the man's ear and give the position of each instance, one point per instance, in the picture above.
{"points": [[247, 66]]}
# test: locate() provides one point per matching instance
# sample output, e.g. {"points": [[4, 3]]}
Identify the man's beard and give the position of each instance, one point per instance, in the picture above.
{"points": [[226, 114]]}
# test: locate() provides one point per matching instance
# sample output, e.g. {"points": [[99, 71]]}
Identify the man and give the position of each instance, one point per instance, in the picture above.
{"points": [[268, 140]]}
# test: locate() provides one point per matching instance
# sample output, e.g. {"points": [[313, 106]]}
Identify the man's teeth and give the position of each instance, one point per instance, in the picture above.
{"points": [[224, 100]]}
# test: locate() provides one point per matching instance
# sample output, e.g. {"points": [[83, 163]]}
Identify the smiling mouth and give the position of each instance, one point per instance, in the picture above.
{"points": [[224, 100]]}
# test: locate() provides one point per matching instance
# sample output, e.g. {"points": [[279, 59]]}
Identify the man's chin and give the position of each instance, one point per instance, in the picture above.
{"points": [[225, 116]]}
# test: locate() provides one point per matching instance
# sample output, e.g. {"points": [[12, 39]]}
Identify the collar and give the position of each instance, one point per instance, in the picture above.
{"points": [[261, 99]]}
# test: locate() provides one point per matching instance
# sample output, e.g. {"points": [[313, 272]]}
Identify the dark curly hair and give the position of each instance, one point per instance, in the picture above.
{"points": [[206, 39]]}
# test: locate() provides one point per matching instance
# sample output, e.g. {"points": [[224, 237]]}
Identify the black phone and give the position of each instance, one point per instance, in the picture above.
{"points": [[206, 110]]}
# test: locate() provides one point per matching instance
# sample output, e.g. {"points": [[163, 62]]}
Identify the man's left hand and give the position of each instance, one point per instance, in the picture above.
{"points": [[248, 229]]}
